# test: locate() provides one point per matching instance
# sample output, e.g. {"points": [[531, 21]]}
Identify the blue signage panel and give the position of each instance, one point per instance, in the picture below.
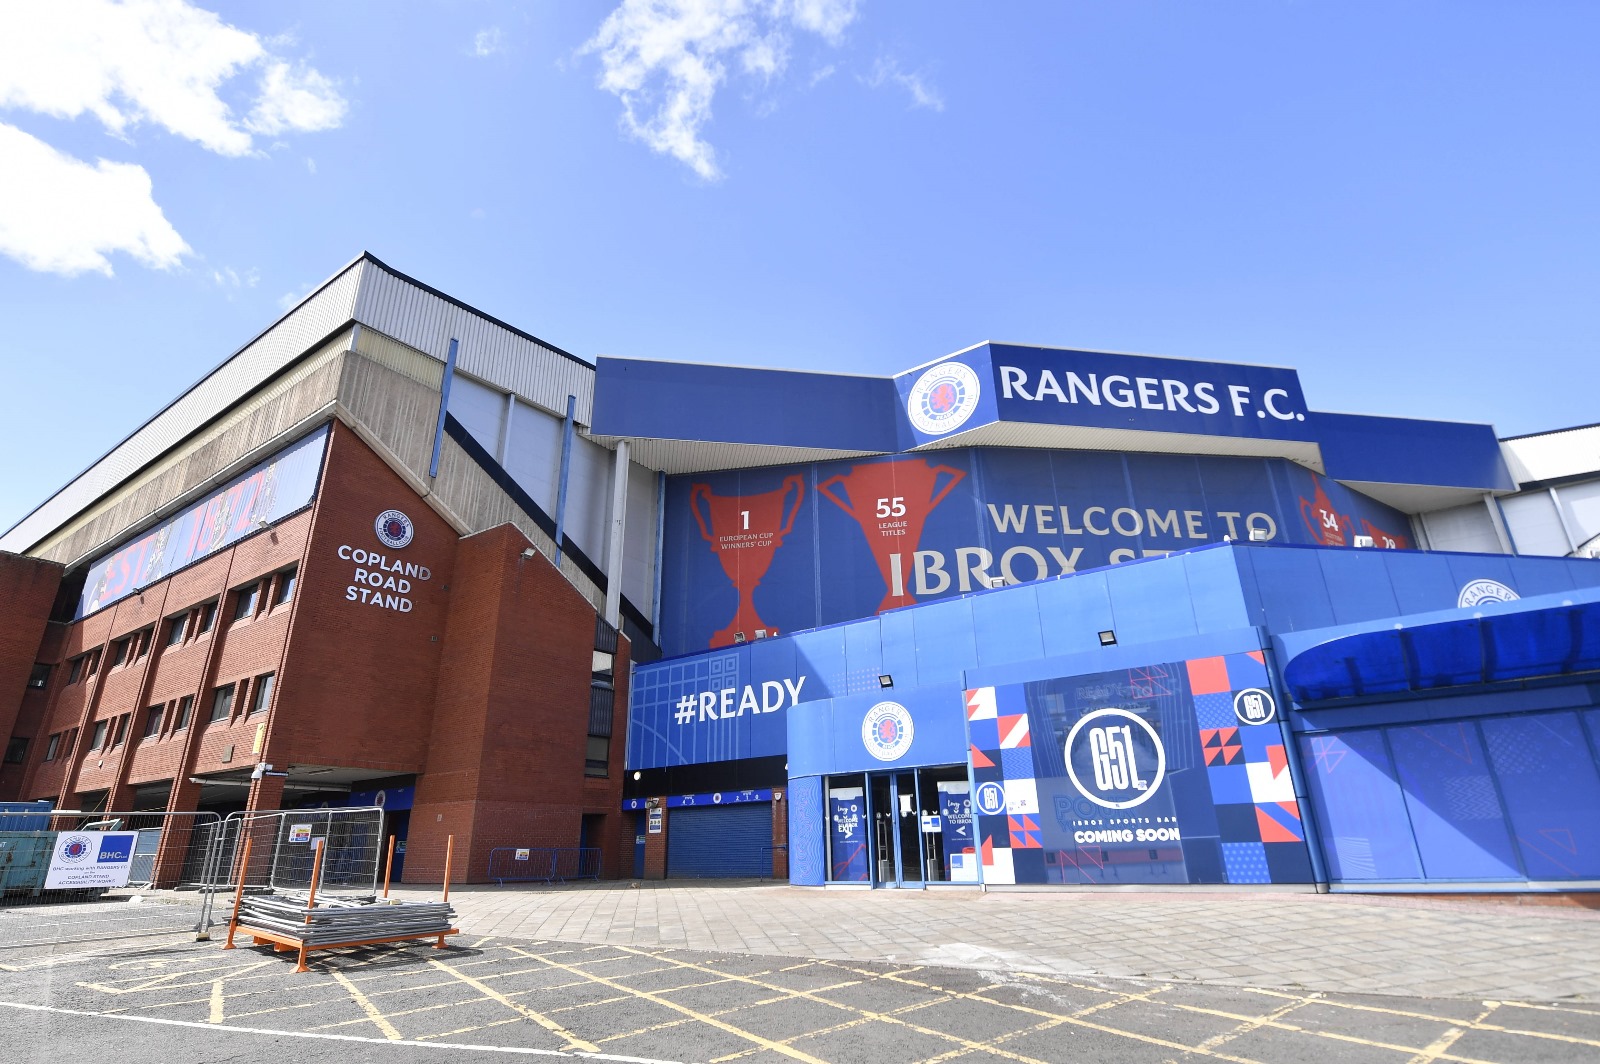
{"points": [[1100, 390], [678, 801], [1172, 772], [847, 835], [752, 553]]}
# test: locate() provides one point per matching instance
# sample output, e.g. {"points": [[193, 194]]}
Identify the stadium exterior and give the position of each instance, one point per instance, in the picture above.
{"points": [[1020, 616]]}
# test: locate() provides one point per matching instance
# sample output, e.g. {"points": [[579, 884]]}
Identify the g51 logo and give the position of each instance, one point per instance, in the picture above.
{"points": [[1123, 755]]}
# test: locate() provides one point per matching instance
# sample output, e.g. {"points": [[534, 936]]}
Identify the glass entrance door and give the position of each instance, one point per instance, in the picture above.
{"points": [[901, 829], [896, 835]]}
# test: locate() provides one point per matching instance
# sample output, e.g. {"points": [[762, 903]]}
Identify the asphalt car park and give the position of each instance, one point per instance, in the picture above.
{"points": [[174, 999]]}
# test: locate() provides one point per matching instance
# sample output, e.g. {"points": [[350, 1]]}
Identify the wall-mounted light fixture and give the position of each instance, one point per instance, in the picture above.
{"points": [[1108, 639], [528, 552], [1259, 535], [885, 680], [738, 637]]}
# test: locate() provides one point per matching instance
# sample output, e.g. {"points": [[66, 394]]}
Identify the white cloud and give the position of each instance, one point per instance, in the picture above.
{"points": [[488, 42], [128, 63], [311, 165], [666, 59], [287, 301], [295, 98], [157, 61], [887, 71], [228, 277], [61, 215]]}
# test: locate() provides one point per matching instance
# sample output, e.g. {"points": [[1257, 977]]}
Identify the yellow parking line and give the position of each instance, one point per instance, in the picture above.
{"points": [[573, 1041], [368, 1007], [710, 1021]]}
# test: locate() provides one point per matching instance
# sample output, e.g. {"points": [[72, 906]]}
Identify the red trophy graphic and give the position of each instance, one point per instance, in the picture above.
{"points": [[891, 502], [1326, 525], [1380, 538], [745, 531]]}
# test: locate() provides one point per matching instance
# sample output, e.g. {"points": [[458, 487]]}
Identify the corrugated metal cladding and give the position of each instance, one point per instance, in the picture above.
{"points": [[719, 840], [490, 352], [264, 356], [695, 456]]}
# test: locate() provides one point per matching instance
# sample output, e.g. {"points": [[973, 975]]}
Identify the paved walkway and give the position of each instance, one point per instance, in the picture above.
{"points": [[1333, 943]]}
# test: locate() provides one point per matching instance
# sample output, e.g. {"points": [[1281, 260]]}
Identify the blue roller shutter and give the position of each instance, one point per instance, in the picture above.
{"points": [[720, 840]]}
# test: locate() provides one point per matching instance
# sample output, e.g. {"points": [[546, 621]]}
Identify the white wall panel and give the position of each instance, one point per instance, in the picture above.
{"points": [[1581, 504], [589, 498], [1462, 528], [1535, 525], [535, 458], [481, 409], [639, 542]]}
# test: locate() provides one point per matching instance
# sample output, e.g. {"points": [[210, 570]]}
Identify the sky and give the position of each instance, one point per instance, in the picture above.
{"points": [[1397, 198]]}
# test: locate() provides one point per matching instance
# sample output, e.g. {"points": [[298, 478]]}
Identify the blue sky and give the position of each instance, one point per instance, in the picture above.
{"points": [[1398, 199]]}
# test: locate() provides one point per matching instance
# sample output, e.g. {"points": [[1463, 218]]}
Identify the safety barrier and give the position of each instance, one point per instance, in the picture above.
{"points": [[543, 864], [76, 875], [70, 875]]}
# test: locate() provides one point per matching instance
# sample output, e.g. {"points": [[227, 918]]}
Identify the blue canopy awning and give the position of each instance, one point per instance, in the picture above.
{"points": [[1522, 641]]}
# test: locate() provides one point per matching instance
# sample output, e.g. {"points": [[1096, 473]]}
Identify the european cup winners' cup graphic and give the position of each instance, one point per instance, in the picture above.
{"points": [[745, 531], [1327, 526], [891, 502]]}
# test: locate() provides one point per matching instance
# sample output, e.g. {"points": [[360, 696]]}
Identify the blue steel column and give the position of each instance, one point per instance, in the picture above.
{"points": [[444, 405], [661, 532], [566, 468], [1297, 774]]}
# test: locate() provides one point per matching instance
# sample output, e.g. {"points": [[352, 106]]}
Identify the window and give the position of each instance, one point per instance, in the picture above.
{"points": [[152, 721], [597, 757], [94, 663], [185, 704], [283, 587], [119, 651], [176, 626], [74, 670], [99, 735], [52, 747], [39, 678], [122, 730], [144, 643], [208, 617], [17, 751], [245, 606], [222, 702], [261, 695]]}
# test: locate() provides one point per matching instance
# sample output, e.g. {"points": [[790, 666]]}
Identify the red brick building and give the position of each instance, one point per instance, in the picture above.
{"points": [[305, 563]]}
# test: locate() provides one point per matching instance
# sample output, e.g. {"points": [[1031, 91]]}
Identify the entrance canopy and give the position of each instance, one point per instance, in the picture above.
{"points": [[1494, 642]]}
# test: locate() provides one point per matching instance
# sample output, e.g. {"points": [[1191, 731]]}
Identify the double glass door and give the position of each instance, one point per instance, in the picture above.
{"points": [[899, 829]]}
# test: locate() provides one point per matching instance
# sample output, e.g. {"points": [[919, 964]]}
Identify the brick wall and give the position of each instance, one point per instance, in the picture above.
{"points": [[27, 590]]}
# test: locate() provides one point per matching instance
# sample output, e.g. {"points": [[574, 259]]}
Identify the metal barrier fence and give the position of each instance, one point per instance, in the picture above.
{"points": [[543, 864], [75, 876]]}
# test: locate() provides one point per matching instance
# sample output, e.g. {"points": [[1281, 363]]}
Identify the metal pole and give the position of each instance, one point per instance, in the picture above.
{"points": [[444, 406], [449, 854], [566, 470], [316, 877], [388, 867], [238, 897]]}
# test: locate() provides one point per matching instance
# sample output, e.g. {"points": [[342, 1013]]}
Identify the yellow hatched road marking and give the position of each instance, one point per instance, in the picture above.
{"points": [[712, 1021], [573, 1041], [1475, 1025], [368, 1007], [1448, 1039]]}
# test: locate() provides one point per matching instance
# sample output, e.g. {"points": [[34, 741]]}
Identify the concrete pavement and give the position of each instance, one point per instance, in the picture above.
{"points": [[1330, 943]]}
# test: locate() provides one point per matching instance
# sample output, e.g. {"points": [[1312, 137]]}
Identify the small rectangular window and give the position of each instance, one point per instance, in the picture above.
{"points": [[207, 618], [261, 695], [597, 757], [16, 751], [122, 730], [222, 702], [74, 670], [144, 643], [185, 704], [99, 736], [119, 651], [53, 747], [283, 587], [39, 678], [152, 721], [94, 662], [245, 606], [176, 626]]}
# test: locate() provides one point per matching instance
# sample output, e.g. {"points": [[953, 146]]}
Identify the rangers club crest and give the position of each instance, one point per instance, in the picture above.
{"points": [[886, 731], [1481, 591], [75, 848], [394, 529], [942, 399]]}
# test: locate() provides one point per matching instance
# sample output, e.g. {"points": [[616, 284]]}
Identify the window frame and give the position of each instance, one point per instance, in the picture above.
{"points": [[222, 695], [102, 731], [247, 602], [53, 747], [154, 718], [260, 694], [180, 626], [206, 618], [283, 584], [184, 709]]}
